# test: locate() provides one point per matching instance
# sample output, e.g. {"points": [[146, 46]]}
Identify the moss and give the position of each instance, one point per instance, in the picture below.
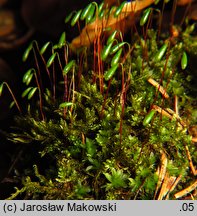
{"points": [[92, 128]]}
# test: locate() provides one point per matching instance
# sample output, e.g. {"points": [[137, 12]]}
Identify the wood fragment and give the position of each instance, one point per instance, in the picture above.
{"points": [[176, 105], [159, 87], [167, 184], [193, 13], [163, 187], [83, 138], [162, 171], [175, 183], [193, 132], [174, 114], [177, 180], [167, 112], [162, 111], [184, 2], [186, 190], [194, 171]]}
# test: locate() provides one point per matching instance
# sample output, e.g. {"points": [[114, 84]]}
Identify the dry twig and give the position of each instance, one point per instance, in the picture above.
{"points": [[186, 190]]}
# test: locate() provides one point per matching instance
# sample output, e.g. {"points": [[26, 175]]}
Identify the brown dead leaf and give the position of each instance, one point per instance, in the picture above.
{"points": [[2, 2], [193, 13], [109, 3], [93, 30], [7, 22], [184, 2]]}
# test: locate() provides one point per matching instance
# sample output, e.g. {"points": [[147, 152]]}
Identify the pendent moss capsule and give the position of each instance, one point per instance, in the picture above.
{"points": [[67, 19], [108, 75], [28, 76], [184, 61], [101, 14], [26, 91], [116, 47], [145, 16], [51, 59], [32, 92], [68, 67], [12, 104], [43, 49], [100, 7], [65, 104], [148, 117], [1, 88], [106, 50], [62, 40], [75, 18], [161, 52], [85, 12], [119, 9], [90, 14], [111, 37], [116, 58], [27, 51]]}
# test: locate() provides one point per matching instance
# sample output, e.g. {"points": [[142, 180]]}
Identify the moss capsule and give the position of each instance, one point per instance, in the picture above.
{"points": [[111, 37], [101, 14], [43, 49], [27, 51], [75, 18], [67, 19], [51, 60], [161, 52], [65, 104], [184, 61], [145, 16], [106, 50], [148, 117], [119, 9], [1, 88], [116, 58], [100, 7], [32, 92], [29, 78], [62, 40], [108, 75], [12, 104], [90, 14], [116, 47], [68, 67], [28, 75], [26, 91], [85, 12]]}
